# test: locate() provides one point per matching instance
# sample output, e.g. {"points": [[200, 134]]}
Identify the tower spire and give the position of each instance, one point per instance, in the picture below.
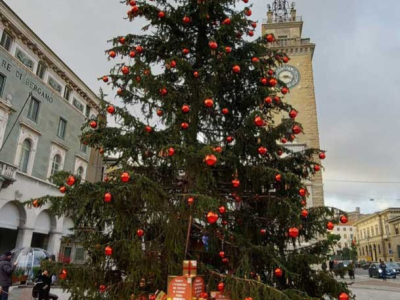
{"points": [[281, 10]]}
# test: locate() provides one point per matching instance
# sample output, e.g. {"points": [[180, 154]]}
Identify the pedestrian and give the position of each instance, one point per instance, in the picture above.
{"points": [[331, 265], [6, 270], [382, 266], [350, 267], [324, 266], [42, 287]]}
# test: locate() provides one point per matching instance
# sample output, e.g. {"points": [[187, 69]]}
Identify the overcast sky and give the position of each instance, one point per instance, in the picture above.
{"points": [[356, 66]]}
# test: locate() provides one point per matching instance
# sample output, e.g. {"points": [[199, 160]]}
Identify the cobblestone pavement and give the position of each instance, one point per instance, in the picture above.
{"points": [[369, 294]]}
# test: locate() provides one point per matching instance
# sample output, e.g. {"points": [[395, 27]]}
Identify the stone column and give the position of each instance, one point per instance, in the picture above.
{"points": [[24, 238], [269, 16], [54, 243]]}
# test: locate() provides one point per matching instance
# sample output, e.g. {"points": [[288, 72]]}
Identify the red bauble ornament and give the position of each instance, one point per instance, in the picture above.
{"points": [[235, 183], [227, 21], [225, 111], [139, 49], [263, 231], [210, 160], [264, 81], [218, 149], [221, 286], [213, 45], [119, 91], [293, 114], [273, 82], [159, 112], [135, 9], [251, 33], [139, 79], [122, 40], [270, 38], [330, 226], [185, 108], [262, 150], [171, 151], [285, 59], [280, 152], [270, 72], [248, 12], [343, 296], [268, 100], [185, 51], [284, 90], [302, 192], [125, 177], [112, 54], [228, 49], [225, 260], [148, 129], [163, 91], [278, 177], [245, 1], [63, 189], [258, 121], [111, 109], [343, 219], [303, 203], [304, 213], [108, 251], [93, 124], [254, 24], [102, 288], [317, 168], [190, 200], [132, 54], [186, 20], [236, 69], [222, 210], [255, 60], [284, 141], [140, 232], [296, 129], [221, 254], [322, 155], [125, 70], [71, 180], [208, 103], [277, 99], [229, 139], [101, 151], [212, 217], [107, 197], [35, 203], [196, 74], [105, 79], [278, 272], [132, 3], [172, 64], [161, 14], [293, 232], [184, 125]]}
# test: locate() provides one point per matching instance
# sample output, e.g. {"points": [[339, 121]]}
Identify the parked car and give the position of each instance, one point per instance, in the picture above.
{"points": [[366, 265], [375, 271], [395, 266]]}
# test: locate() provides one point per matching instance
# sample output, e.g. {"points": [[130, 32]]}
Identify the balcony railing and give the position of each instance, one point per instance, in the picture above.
{"points": [[7, 174], [283, 20], [285, 42]]}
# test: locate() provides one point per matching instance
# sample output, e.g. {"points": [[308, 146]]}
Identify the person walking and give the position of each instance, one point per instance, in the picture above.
{"points": [[331, 265], [382, 266], [350, 267], [6, 270], [42, 287]]}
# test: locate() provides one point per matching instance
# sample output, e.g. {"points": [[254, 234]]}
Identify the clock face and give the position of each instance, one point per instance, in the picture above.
{"points": [[289, 75]]}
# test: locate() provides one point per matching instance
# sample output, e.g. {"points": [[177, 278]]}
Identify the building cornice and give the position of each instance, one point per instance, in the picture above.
{"points": [[60, 145], [23, 32], [378, 214], [23, 124], [82, 158]]}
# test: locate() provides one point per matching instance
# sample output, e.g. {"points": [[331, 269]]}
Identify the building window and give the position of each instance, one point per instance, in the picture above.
{"points": [[389, 246], [67, 93], [25, 153], [79, 255], [80, 171], [33, 112], [338, 228], [25, 59], [387, 229], [379, 249], [372, 231], [351, 228], [344, 228], [346, 245], [363, 253], [41, 70], [55, 166], [87, 112], [6, 41], [62, 126], [2, 83], [83, 148], [351, 236], [54, 84], [376, 229]]}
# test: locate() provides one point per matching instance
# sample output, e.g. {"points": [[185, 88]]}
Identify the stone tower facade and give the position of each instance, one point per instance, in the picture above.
{"points": [[283, 22]]}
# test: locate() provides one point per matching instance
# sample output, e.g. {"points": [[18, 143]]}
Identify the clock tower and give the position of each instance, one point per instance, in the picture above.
{"points": [[282, 21]]}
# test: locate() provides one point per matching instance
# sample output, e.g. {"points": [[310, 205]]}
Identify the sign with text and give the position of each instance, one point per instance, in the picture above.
{"points": [[197, 287], [220, 296], [179, 288]]}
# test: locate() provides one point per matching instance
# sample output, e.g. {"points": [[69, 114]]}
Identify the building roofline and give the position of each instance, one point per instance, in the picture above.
{"points": [[76, 82], [377, 214]]}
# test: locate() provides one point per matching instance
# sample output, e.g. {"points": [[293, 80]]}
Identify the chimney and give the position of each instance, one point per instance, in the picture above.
{"points": [[293, 14], [269, 16]]}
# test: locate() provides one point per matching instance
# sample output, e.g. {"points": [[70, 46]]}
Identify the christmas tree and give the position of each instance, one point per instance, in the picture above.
{"points": [[203, 174]]}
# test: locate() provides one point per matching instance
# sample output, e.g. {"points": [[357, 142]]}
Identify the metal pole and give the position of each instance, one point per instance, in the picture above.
{"points": [[5, 140]]}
